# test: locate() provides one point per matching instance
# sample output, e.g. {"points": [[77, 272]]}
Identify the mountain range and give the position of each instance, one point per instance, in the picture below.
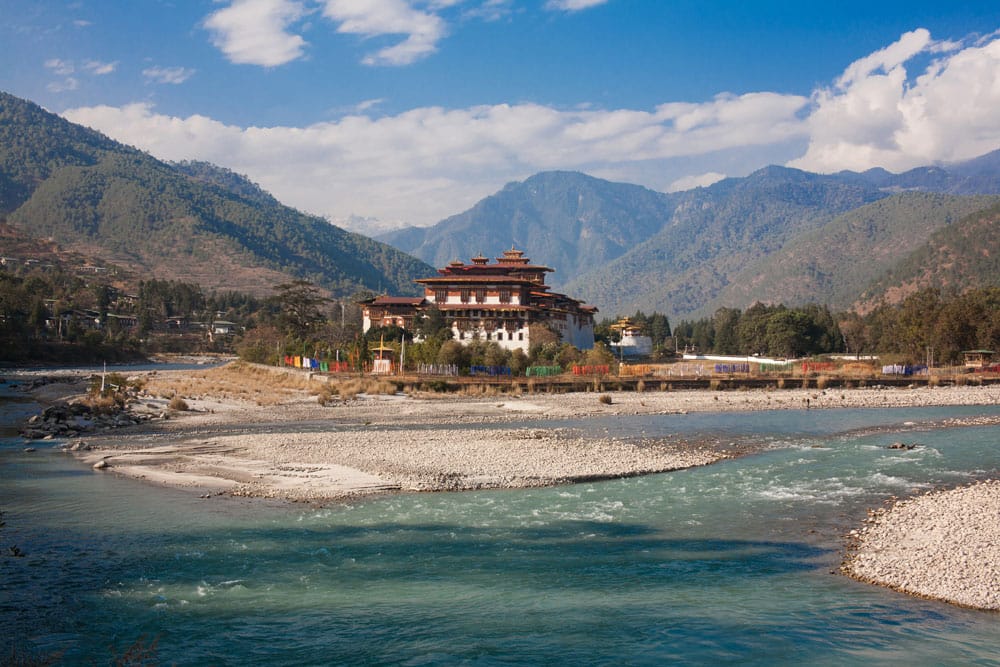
{"points": [[779, 235], [194, 222]]}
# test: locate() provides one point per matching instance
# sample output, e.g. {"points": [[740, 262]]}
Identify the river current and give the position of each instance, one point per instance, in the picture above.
{"points": [[732, 563]]}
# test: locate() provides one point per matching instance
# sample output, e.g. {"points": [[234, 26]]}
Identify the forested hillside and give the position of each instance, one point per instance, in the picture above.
{"points": [[839, 261], [193, 221], [777, 235], [714, 234], [959, 257]]}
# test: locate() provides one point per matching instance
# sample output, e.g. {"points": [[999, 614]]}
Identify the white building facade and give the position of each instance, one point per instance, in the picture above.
{"points": [[500, 302]]}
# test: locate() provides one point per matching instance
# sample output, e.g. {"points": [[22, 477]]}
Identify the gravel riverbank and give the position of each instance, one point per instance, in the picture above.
{"points": [[943, 545], [292, 446]]}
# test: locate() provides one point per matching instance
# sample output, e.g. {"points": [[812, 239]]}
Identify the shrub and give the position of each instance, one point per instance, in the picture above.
{"points": [[605, 399], [179, 404], [325, 394]]}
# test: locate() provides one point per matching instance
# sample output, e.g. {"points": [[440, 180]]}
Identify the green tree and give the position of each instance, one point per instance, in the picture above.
{"points": [[751, 330], [724, 323], [300, 302], [787, 334], [453, 352]]}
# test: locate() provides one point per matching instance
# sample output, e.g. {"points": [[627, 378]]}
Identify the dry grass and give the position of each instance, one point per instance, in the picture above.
{"points": [[101, 405], [238, 381], [179, 404], [605, 399], [822, 381], [857, 369], [350, 388]]}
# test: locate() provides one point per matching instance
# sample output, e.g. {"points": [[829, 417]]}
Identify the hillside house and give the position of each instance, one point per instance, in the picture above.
{"points": [[497, 302]]}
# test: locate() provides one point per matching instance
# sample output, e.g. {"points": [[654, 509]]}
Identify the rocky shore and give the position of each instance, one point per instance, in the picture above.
{"points": [[944, 545]]}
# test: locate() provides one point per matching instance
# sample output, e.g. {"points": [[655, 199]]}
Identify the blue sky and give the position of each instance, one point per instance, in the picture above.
{"points": [[381, 113]]}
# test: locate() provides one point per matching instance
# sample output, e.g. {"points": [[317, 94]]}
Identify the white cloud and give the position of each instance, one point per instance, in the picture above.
{"points": [[372, 18], [172, 75], [98, 68], [877, 114], [573, 5], [255, 32], [419, 166], [695, 181], [67, 68], [490, 10], [886, 60], [368, 104], [427, 163], [67, 84], [60, 67]]}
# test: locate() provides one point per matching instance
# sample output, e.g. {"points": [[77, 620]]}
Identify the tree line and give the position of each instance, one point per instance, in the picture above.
{"points": [[300, 319], [928, 325]]}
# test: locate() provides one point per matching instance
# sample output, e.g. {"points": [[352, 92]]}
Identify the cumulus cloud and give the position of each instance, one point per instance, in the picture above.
{"points": [[260, 32], [171, 75], [372, 18], [879, 114], [421, 165], [427, 163], [255, 32]]}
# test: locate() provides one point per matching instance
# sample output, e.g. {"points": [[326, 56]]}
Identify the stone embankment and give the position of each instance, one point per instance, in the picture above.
{"points": [[943, 545]]}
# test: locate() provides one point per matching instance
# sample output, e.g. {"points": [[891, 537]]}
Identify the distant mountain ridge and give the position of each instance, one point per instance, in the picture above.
{"points": [[777, 235], [567, 220], [623, 248], [191, 221]]}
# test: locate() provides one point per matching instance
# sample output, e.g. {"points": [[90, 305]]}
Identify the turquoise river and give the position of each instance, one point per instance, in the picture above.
{"points": [[732, 563]]}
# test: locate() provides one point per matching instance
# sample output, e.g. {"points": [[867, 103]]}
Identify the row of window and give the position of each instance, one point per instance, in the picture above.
{"points": [[466, 295], [490, 336], [479, 314]]}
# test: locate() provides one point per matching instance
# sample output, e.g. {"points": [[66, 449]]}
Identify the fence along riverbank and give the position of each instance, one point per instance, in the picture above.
{"points": [[686, 375]]}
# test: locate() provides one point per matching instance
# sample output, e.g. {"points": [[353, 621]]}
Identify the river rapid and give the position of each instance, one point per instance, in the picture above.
{"points": [[732, 563]]}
